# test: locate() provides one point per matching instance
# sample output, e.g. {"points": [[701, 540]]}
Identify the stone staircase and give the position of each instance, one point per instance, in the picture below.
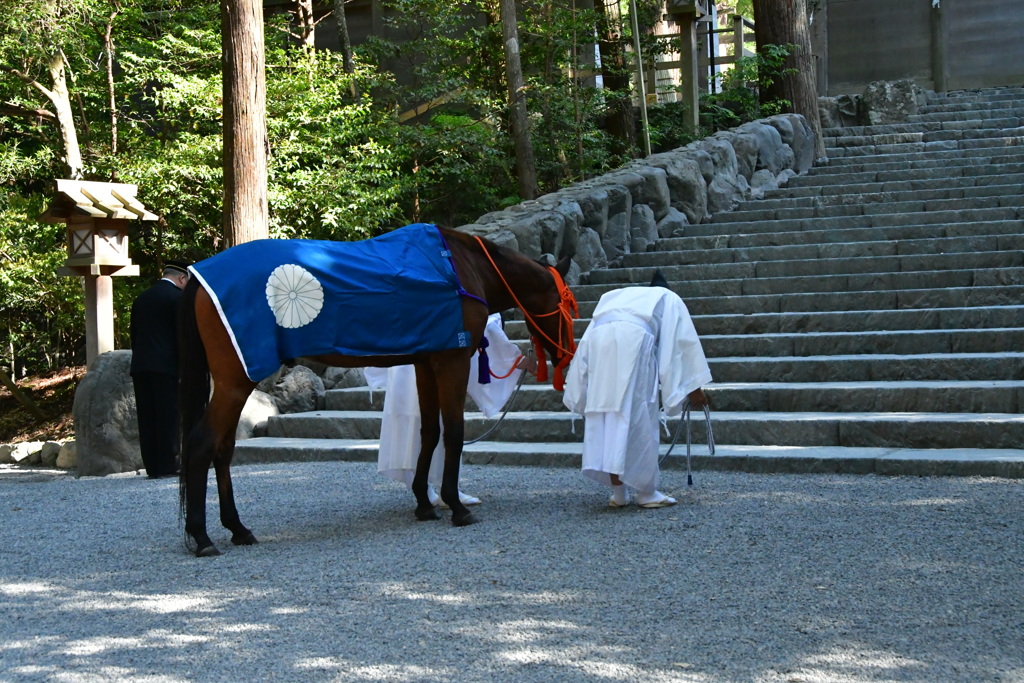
{"points": [[866, 318]]}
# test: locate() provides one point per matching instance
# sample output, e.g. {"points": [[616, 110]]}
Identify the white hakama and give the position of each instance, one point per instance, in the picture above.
{"points": [[641, 339]]}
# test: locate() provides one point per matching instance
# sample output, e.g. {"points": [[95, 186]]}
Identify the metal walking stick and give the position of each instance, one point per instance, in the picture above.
{"points": [[684, 420]]}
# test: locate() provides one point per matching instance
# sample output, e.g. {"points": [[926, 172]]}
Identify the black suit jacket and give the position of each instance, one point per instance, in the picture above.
{"points": [[154, 329]]}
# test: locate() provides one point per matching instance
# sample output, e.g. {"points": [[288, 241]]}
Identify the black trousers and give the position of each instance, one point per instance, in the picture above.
{"points": [[156, 404]]}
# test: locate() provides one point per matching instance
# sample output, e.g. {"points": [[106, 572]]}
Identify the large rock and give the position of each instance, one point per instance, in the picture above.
{"points": [[27, 453], [106, 428], [797, 133], [673, 224], [343, 378], [643, 229], [589, 254], [688, 190], [839, 111], [259, 408], [295, 390], [772, 153], [891, 101], [49, 453], [67, 458]]}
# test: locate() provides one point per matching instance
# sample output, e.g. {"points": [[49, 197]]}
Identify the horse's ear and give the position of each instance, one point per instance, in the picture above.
{"points": [[563, 266]]}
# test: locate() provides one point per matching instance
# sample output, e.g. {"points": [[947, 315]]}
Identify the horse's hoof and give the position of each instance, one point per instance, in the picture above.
{"points": [[427, 514], [463, 520], [207, 551], [244, 539]]}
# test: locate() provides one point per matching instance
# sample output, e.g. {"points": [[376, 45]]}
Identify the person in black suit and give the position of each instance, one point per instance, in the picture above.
{"points": [[154, 369]]}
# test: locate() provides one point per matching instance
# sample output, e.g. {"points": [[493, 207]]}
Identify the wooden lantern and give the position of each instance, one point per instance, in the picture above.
{"points": [[97, 217]]}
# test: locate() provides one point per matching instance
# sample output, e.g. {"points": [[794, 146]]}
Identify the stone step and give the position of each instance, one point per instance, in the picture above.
{"points": [[994, 329], [851, 429], [1014, 137], [876, 206], [979, 105], [730, 223], [898, 181], [864, 194], [1005, 119], [878, 367], [853, 298], [861, 322], [961, 130], [836, 395], [909, 169], [786, 331], [837, 250], [922, 160], [760, 459], [899, 271], [830, 235], [919, 341]]}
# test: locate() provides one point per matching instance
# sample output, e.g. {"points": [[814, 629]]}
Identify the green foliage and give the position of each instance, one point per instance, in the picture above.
{"points": [[738, 100], [41, 310], [334, 171], [669, 127]]}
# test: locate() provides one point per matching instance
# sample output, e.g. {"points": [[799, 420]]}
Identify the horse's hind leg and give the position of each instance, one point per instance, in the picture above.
{"points": [[196, 455], [214, 440], [228, 413]]}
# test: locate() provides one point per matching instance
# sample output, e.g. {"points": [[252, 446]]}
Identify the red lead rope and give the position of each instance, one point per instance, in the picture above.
{"points": [[567, 309]]}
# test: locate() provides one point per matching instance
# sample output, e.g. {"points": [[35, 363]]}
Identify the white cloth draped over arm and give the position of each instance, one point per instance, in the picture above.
{"points": [[501, 354], [682, 366]]}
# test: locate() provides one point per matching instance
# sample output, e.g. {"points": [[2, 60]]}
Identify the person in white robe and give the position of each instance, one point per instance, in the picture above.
{"points": [[400, 425], [639, 340]]}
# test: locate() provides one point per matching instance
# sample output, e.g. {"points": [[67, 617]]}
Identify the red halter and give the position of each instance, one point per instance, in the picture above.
{"points": [[567, 309]]}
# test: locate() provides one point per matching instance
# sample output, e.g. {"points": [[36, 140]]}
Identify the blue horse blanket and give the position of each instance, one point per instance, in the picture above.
{"points": [[282, 299]]}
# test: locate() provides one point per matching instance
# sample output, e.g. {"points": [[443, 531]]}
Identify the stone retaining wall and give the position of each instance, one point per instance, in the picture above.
{"points": [[598, 221]]}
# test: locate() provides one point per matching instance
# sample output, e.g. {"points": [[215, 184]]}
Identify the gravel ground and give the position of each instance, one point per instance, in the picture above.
{"points": [[750, 578]]}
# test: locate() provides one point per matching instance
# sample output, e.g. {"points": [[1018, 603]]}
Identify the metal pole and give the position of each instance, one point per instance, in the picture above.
{"points": [[640, 78]]}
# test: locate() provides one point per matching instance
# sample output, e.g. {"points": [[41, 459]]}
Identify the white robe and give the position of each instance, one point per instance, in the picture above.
{"points": [[640, 339], [400, 425]]}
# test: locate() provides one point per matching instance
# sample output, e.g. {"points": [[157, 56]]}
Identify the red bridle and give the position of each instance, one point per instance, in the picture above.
{"points": [[566, 310]]}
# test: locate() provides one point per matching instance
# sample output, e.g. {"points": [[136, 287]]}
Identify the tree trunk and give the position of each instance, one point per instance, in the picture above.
{"points": [[782, 22], [61, 100], [526, 170], [307, 25], [245, 122], [108, 47], [344, 42], [615, 74]]}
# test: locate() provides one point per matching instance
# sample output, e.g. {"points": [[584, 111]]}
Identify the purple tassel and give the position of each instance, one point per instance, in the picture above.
{"points": [[483, 364]]}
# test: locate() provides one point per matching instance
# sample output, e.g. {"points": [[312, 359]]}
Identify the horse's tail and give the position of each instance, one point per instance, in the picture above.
{"points": [[193, 383]]}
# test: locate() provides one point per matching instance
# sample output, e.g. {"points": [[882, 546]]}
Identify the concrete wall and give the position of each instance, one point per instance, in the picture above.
{"points": [[958, 44]]}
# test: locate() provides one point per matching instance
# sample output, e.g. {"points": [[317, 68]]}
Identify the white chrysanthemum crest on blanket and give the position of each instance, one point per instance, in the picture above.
{"points": [[294, 295]]}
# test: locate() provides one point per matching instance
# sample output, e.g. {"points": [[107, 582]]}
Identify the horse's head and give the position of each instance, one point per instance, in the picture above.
{"points": [[550, 321]]}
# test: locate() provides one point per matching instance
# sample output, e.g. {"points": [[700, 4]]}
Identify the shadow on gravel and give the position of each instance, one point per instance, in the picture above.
{"points": [[752, 577]]}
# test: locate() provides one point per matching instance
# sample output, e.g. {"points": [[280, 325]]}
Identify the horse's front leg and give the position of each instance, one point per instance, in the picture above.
{"points": [[430, 434], [452, 401], [454, 431]]}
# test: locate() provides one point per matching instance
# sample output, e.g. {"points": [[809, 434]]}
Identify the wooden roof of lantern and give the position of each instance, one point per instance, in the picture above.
{"points": [[78, 198]]}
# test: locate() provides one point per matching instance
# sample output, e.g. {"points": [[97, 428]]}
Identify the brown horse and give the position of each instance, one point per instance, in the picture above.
{"points": [[494, 279]]}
